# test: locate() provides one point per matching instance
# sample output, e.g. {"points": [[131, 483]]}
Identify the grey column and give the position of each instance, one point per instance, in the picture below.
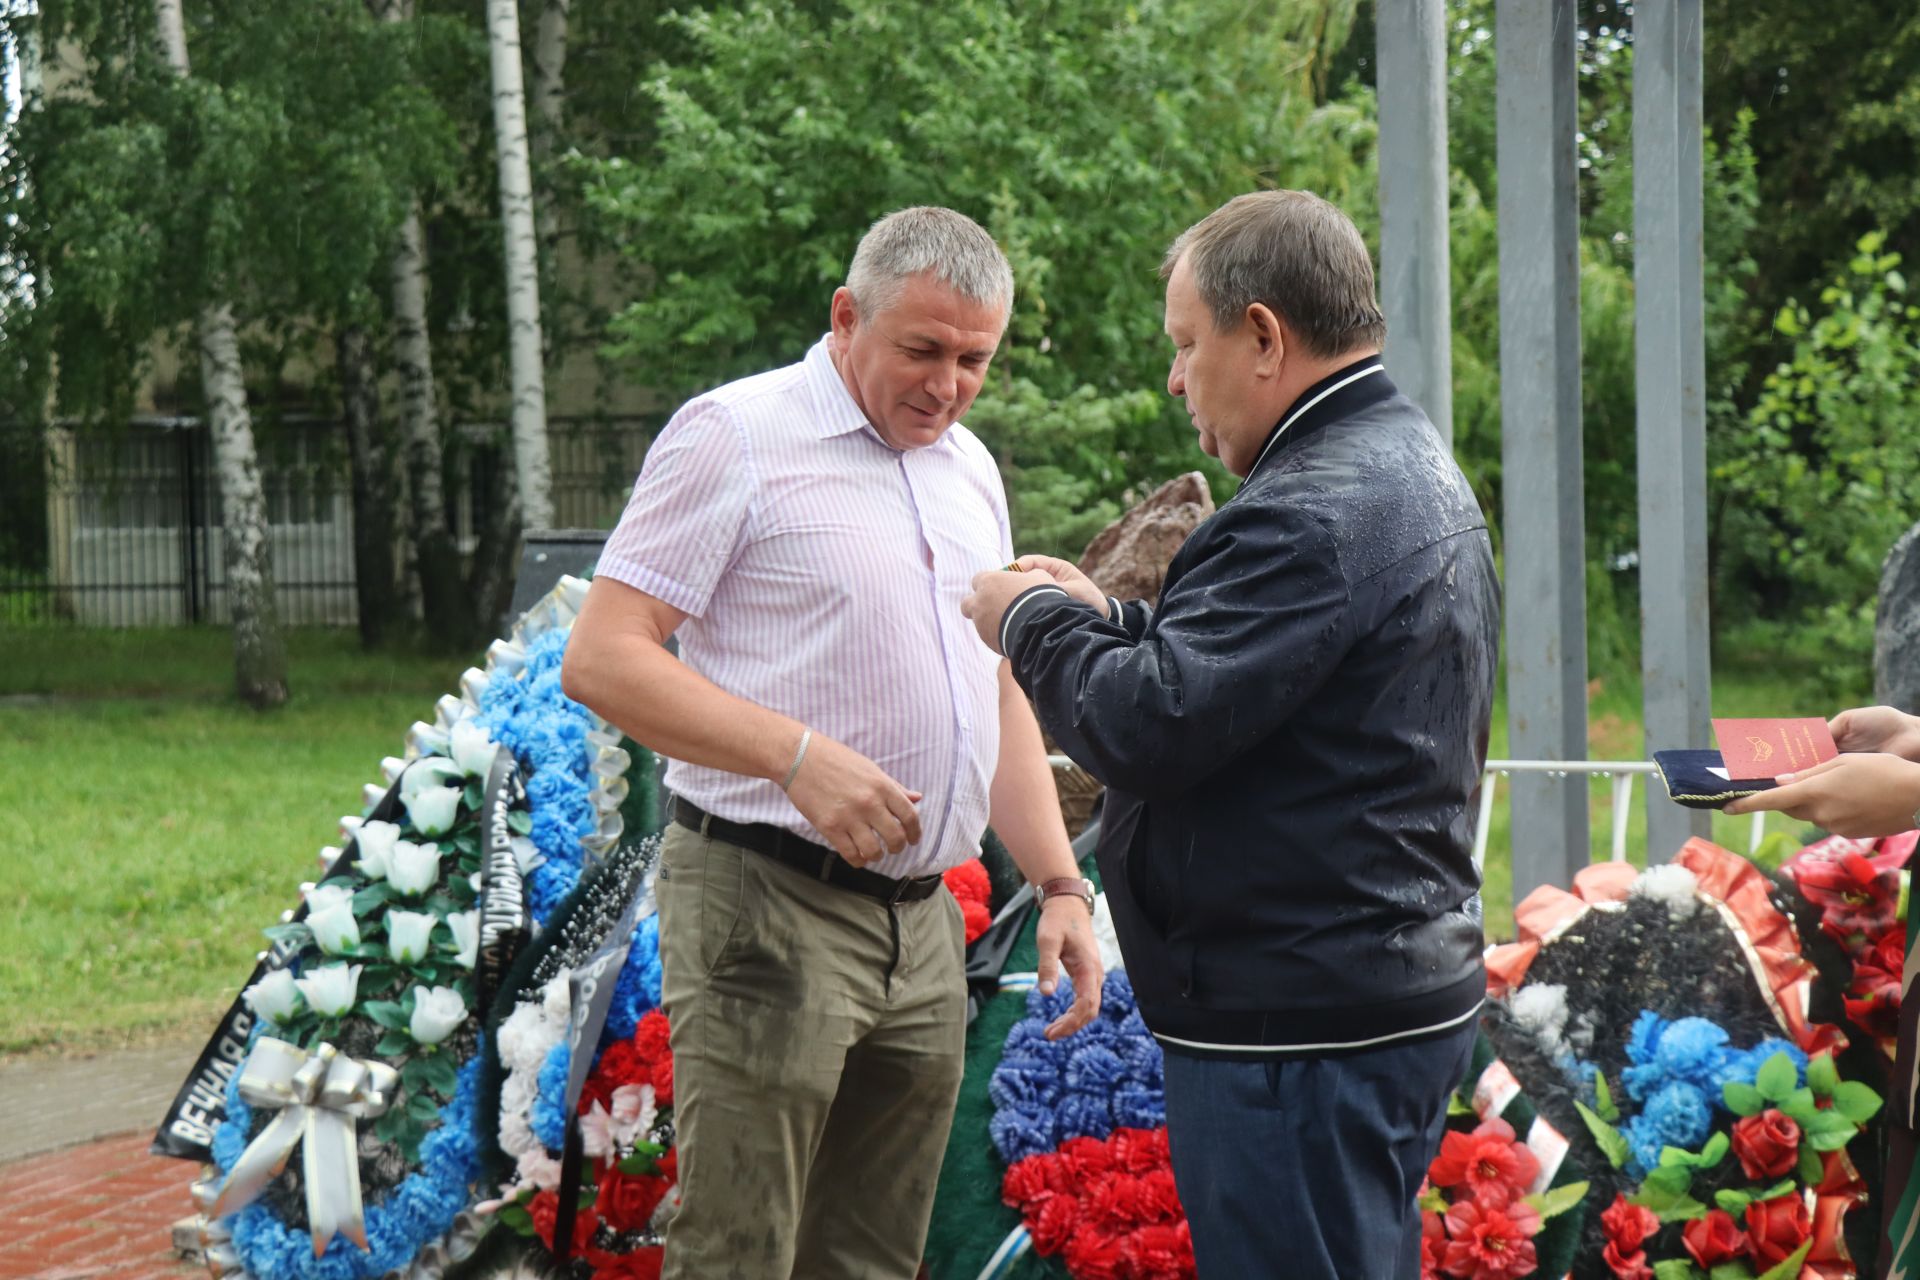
{"points": [[1415, 289], [1670, 381], [1544, 512]]}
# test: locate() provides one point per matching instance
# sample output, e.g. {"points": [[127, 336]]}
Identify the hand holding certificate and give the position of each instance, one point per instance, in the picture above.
{"points": [[1858, 775]]}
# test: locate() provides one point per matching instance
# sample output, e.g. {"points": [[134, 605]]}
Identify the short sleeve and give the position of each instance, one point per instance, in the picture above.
{"points": [[688, 514]]}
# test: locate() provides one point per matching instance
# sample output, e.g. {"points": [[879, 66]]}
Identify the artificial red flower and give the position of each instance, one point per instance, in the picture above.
{"points": [[1776, 1227], [1095, 1254], [1488, 1162], [545, 1208], [1087, 1157], [669, 1165], [1138, 1150], [969, 882], [1032, 1180], [627, 1200], [642, 1264], [1768, 1144], [1490, 1242], [1054, 1224], [1627, 1225], [975, 920], [650, 1037], [663, 1082], [1630, 1266], [622, 1064], [1713, 1239], [1858, 893], [1873, 998], [1159, 1252], [1433, 1243]]}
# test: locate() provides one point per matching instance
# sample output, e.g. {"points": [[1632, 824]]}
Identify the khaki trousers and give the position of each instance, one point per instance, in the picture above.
{"points": [[815, 1073]]}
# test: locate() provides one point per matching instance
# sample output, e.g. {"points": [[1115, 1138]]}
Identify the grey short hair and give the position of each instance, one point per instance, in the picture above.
{"points": [[926, 238], [1296, 253]]}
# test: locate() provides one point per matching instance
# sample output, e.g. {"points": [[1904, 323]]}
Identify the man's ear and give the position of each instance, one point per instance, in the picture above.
{"points": [[1269, 335], [844, 316]]}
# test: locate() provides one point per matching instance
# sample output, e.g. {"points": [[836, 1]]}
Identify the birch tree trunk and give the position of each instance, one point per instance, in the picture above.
{"points": [[259, 653], [442, 594], [373, 574], [549, 104], [529, 414]]}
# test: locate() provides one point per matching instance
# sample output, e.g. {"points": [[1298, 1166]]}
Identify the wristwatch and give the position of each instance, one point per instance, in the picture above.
{"points": [[1065, 887]]}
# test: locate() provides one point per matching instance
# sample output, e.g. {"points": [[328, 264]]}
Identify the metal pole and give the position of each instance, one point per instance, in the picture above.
{"points": [[1670, 379], [1544, 510], [1415, 290]]}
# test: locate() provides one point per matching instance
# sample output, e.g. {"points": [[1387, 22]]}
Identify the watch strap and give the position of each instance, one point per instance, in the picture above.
{"points": [[1065, 887]]}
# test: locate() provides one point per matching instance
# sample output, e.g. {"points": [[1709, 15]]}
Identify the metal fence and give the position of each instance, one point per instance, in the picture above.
{"points": [[124, 528]]}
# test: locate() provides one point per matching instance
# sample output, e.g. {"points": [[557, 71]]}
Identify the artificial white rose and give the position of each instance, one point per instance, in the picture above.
{"points": [[275, 997], [466, 936], [409, 935], [433, 809], [429, 771], [473, 749], [414, 868], [322, 897], [330, 990], [526, 854], [335, 929], [374, 843], [436, 1012]]}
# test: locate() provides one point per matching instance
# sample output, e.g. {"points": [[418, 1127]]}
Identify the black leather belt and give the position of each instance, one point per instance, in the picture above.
{"points": [[805, 856]]}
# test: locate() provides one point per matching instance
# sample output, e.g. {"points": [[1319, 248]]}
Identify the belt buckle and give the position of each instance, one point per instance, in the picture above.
{"points": [[900, 888]]}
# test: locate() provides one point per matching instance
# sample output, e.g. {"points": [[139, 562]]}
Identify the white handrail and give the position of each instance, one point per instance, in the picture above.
{"points": [[1622, 773]]}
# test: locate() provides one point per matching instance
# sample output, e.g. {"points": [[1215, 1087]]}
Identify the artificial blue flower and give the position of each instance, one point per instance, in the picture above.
{"points": [[1644, 1039], [1679, 1115], [549, 1118]]}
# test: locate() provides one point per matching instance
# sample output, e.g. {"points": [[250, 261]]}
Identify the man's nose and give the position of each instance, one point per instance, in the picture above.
{"points": [[1177, 378], [944, 384]]}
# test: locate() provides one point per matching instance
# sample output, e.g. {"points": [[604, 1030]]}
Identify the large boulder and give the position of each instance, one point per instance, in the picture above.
{"points": [[1896, 627], [1129, 557]]}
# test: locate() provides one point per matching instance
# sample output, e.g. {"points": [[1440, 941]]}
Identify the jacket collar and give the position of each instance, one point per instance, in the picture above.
{"points": [[1346, 390]]}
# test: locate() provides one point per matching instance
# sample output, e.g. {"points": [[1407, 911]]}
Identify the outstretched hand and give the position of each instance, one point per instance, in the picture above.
{"points": [[1065, 939], [1067, 574], [1859, 794], [1885, 729], [993, 591]]}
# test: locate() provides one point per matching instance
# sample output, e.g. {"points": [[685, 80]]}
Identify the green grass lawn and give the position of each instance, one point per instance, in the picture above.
{"points": [[158, 825]]}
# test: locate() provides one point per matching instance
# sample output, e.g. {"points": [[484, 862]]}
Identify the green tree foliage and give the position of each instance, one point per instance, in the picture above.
{"points": [[1820, 478], [274, 176], [1082, 135]]}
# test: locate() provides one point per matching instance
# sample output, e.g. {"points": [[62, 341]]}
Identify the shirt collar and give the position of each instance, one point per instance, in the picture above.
{"points": [[1346, 390], [834, 412]]}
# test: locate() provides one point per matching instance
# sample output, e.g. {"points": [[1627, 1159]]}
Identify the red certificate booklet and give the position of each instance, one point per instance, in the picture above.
{"points": [[1753, 749]]}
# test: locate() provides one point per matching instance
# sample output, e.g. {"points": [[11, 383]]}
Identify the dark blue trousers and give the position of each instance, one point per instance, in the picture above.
{"points": [[1307, 1168]]}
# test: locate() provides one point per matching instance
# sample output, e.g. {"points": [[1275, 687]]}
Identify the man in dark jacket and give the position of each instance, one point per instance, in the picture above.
{"points": [[1291, 741]]}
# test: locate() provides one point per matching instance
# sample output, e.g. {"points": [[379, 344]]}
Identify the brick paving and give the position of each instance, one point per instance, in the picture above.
{"points": [[81, 1198], [103, 1211]]}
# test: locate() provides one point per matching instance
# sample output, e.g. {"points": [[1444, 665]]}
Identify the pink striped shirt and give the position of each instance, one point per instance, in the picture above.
{"points": [[822, 571]]}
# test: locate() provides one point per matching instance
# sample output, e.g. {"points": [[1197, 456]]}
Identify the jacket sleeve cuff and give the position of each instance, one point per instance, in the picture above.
{"points": [[1020, 603]]}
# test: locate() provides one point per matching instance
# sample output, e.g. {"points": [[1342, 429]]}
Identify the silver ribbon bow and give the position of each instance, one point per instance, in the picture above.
{"points": [[320, 1095]]}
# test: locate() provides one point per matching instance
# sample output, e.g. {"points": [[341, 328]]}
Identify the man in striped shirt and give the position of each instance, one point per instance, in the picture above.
{"points": [[838, 737]]}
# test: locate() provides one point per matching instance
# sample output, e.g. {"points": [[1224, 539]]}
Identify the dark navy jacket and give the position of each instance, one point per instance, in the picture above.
{"points": [[1292, 740]]}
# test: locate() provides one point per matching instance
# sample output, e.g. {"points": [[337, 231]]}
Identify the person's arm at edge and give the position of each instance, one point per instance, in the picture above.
{"points": [[1026, 816], [617, 664]]}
